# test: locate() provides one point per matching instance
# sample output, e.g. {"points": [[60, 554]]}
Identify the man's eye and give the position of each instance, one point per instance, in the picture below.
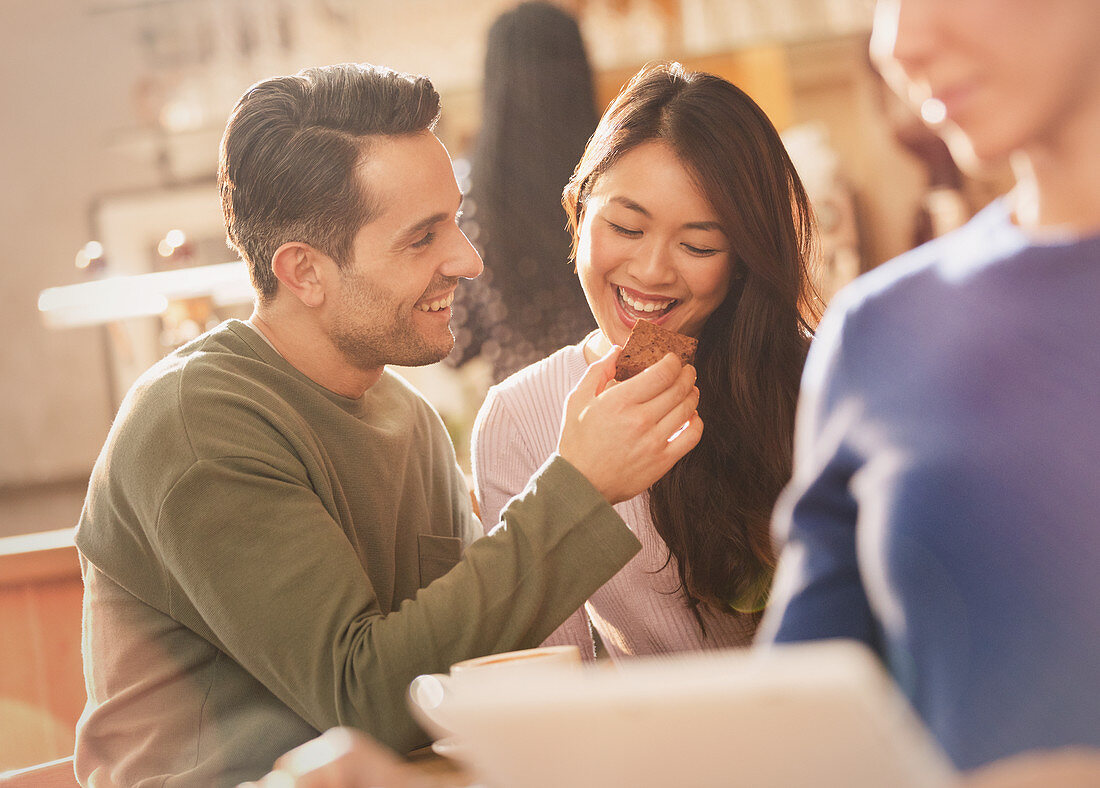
{"points": [[425, 241], [624, 231]]}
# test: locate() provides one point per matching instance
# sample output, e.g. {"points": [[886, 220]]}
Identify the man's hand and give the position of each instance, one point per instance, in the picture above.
{"points": [[621, 436], [342, 758]]}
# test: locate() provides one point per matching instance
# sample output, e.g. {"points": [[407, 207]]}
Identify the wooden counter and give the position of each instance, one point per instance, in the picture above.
{"points": [[41, 676]]}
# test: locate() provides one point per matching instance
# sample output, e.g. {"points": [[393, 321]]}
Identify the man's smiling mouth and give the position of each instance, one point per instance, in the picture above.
{"points": [[437, 305]]}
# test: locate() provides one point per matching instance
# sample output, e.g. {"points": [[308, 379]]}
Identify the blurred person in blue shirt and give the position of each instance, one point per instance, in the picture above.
{"points": [[945, 504]]}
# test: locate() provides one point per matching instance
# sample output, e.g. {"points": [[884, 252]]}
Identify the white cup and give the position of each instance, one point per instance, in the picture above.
{"points": [[430, 694], [544, 655]]}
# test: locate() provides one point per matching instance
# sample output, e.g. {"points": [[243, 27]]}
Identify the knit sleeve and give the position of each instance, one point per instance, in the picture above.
{"points": [[515, 432], [502, 458]]}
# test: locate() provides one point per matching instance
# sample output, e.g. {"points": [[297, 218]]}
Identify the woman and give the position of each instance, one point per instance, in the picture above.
{"points": [[945, 503], [685, 210]]}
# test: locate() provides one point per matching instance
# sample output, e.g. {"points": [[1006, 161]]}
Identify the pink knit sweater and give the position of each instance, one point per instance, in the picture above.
{"points": [[640, 610]]}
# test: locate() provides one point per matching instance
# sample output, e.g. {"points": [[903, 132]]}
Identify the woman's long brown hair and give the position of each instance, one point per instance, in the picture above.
{"points": [[714, 506]]}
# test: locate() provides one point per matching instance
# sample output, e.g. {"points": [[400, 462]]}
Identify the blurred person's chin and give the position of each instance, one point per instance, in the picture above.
{"points": [[976, 160], [962, 149]]}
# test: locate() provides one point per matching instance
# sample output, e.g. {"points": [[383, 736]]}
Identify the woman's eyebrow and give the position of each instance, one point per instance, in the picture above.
{"points": [[629, 204], [703, 226]]}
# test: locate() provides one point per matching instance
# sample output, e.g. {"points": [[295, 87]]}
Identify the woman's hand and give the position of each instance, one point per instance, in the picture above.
{"points": [[625, 436]]}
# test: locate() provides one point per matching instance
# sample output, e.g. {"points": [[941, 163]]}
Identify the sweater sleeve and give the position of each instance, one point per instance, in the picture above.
{"points": [[283, 593], [818, 591], [503, 461], [502, 457]]}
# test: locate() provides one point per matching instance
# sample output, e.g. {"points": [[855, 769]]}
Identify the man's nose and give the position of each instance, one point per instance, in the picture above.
{"points": [[463, 261]]}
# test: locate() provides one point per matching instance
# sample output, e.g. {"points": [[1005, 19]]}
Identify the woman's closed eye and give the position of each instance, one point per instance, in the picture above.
{"points": [[700, 251], [625, 231]]}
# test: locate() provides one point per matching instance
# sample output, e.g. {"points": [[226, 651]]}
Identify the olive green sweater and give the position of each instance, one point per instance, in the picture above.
{"points": [[257, 552]]}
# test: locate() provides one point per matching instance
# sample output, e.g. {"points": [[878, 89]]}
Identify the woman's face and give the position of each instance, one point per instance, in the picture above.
{"points": [[1008, 74], [650, 246]]}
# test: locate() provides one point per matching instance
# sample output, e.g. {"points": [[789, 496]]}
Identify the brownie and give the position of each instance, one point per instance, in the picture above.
{"points": [[647, 344]]}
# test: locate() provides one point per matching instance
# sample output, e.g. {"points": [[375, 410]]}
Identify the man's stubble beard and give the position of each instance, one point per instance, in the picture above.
{"points": [[368, 338]]}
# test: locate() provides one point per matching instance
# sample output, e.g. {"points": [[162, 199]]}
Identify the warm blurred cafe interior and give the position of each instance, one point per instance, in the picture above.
{"points": [[114, 249]]}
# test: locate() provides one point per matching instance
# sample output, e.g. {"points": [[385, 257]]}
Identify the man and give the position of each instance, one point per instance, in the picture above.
{"points": [[273, 535]]}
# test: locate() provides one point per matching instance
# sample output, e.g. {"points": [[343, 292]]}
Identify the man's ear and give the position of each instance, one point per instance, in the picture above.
{"points": [[302, 270]]}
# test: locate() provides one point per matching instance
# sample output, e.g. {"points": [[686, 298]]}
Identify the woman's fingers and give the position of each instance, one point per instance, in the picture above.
{"points": [[619, 436]]}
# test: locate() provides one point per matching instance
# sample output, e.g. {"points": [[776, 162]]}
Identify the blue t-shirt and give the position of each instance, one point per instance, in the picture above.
{"points": [[945, 504]]}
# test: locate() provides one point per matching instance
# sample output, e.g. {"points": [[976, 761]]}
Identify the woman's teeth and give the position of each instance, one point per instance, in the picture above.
{"points": [[644, 306], [435, 306]]}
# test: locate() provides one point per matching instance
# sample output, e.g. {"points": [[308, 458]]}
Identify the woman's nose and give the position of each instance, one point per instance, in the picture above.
{"points": [[652, 264]]}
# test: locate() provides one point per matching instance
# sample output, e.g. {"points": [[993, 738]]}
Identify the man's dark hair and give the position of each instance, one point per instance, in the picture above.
{"points": [[287, 167]]}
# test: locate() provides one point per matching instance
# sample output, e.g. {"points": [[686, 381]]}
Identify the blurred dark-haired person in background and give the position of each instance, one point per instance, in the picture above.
{"points": [[945, 508], [538, 111], [272, 541]]}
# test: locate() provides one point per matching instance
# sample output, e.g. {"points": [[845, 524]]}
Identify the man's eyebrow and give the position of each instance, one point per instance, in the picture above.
{"points": [[629, 204]]}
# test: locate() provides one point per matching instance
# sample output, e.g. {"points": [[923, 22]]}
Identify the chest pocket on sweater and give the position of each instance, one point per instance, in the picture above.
{"points": [[437, 555]]}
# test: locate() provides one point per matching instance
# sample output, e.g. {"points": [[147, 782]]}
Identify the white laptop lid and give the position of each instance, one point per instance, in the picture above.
{"points": [[817, 714]]}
